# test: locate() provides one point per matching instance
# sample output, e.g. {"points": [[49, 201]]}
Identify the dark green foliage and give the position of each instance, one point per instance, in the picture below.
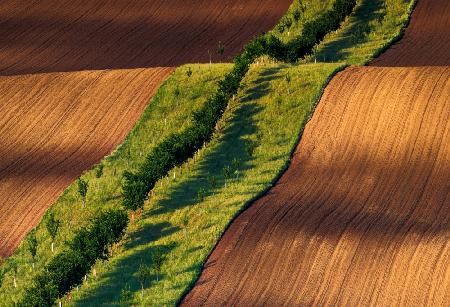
{"points": [[158, 259], [32, 243], [189, 72], [98, 171], [296, 14], [135, 192], [221, 48], [126, 295], [227, 172], [2, 275], [67, 269], [315, 30], [201, 193], [143, 274], [82, 189], [212, 181], [52, 225], [177, 148]]}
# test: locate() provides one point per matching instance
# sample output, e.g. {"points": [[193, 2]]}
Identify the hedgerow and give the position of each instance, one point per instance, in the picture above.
{"points": [[68, 268], [177, 148]]}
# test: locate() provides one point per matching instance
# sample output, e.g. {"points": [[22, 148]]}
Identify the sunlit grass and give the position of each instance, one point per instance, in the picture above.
{"points": [[169, 111], [255, 138]]}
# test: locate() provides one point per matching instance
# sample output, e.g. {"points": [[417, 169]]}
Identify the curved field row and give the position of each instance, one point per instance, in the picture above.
{"points": [[361, 217], [76, 75]]}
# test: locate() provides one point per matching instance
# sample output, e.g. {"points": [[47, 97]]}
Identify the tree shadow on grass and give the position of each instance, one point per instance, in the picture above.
{"points": [[356, 33], [232, 151], [123, 273], [233, 145]]}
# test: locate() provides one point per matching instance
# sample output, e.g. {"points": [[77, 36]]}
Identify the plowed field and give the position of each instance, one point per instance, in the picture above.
{"points": [[76, 75], [362, 215]]}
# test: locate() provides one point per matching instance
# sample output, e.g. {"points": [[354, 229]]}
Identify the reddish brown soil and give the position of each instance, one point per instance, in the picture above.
{"points": [[362, 215], [426, 41], [76, 75]]}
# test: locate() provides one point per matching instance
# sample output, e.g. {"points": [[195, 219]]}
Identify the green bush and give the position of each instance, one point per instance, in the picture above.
{"points": [[67, 269]]}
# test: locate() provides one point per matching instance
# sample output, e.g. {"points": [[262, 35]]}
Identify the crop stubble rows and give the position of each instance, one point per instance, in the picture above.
{"points": [[362, 215], [76, 75]]}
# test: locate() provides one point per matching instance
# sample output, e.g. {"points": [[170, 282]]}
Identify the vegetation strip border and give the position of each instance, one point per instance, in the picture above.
{"points": [[264, 192], [273, 181], [400, 34]]}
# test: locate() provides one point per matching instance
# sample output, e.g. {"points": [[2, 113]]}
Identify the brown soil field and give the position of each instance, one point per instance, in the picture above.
{"points": [[362, 215], [76, 75]]}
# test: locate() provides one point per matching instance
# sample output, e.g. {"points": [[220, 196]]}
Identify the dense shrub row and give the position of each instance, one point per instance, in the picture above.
{"points": [[68, 268], [177, 148]]}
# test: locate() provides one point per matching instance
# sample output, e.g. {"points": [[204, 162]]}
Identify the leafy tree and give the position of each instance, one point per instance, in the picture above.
{"points": [[52, 225], [98, 173], [177, 93], [201, 194], [221, 49], [212, 181], [158, 259], [227, 173], [296, 14], [32, 245], [134, 192], [125, 294], [189, 72], [83, 189], [185, 222], [288, 80], [13, 267], [143, 274], [2, 275]]}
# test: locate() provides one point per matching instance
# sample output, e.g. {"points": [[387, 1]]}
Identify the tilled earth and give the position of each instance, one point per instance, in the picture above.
{"points": [[76, 75], [362, 215]]}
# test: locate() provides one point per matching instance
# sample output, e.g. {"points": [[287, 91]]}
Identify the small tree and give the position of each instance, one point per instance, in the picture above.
{"points": [[2, 276], [201, 194], [158, 258], [236, 163], [52, 227], [212, 181], [32, 245], [13, 267], [185, 222], [288, 80], [125, 294], [82, 190], [227, 173], [134, 193], [189, 72], [177, 93], [221, 50], [143, 274], [99, 171]]}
